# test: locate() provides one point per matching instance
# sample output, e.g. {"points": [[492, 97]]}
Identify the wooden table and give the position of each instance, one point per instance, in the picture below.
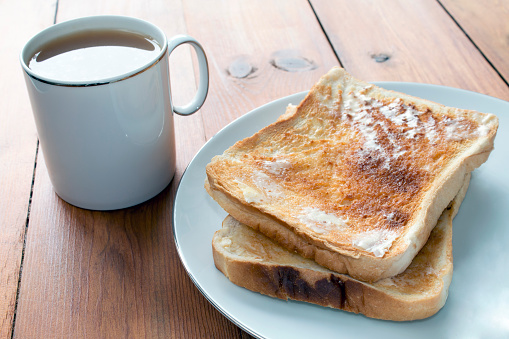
{"points": [[68, 272]]}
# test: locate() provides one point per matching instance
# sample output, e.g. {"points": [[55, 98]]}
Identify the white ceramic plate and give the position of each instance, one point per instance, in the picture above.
{"points": [[478, 303]]}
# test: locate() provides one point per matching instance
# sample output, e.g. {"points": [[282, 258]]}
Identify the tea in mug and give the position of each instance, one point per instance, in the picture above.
{"points": [[93, 55]]}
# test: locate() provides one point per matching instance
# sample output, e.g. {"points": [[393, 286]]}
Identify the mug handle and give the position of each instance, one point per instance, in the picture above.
{"points": [[203, 87]]}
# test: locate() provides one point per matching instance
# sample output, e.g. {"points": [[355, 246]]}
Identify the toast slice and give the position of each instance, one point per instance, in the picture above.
{"points": [[355, 177], [253, 261]]}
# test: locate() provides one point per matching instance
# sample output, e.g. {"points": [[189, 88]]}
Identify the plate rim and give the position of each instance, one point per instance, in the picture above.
{"points": [[287, 98]]}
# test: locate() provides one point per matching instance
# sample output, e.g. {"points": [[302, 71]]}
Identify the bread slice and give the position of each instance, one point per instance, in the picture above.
{"points": [[251, 260], [355, 177]]}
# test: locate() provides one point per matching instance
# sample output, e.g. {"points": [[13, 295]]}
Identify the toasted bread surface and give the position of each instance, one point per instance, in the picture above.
{"points": [[355, 177], [251, 260]]}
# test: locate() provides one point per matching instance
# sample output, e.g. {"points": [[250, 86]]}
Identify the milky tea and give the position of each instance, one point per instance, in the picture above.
{"points": [[92, 55]]}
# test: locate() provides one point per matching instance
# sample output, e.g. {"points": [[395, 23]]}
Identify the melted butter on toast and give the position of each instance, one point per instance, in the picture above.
{"points": [[351, 166]]}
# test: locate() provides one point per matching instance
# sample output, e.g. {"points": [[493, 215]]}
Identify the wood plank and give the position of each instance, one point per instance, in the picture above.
{"points": [[116, 274], [487, 24], [401, 40], [259, 51], [18, 144]]}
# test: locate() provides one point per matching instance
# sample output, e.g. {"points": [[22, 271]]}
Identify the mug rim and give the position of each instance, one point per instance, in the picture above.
{"points": [[91, 23]]}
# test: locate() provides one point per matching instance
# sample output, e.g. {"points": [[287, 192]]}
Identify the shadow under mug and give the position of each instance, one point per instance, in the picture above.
{"points": [[109, 143]]}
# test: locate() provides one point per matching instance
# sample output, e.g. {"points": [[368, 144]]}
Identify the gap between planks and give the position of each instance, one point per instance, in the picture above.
{"points": [[325, 34], [18, 288], [473, 42], [27, 220]]}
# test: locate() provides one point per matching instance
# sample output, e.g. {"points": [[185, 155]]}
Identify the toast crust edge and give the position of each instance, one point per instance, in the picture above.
{"points": [[361, 264], [340, 291]]}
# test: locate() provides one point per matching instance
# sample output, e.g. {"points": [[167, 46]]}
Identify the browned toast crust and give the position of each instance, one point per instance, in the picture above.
{"points": [[356, 177], [258, 264]]}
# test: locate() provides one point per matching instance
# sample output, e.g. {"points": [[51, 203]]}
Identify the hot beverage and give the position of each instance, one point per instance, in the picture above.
{"points": [[93, 55], [100, 93]]}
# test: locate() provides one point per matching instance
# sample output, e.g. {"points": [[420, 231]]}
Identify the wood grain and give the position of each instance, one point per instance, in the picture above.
{"points": [[108, 274], [259, 51], [487, 24], [18, 144], [93, 285], [117, 274], [399, 40]]}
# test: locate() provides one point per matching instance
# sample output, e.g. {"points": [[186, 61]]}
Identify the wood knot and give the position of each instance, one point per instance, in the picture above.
{"points": [[291, 61], [240, 68], [381, 57]]}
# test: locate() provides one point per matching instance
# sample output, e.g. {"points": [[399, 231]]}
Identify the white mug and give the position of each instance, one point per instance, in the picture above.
{"points": [[109, 143]]}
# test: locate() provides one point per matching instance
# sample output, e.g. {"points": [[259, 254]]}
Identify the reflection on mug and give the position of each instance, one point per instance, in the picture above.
{"points": [[140, 110]]}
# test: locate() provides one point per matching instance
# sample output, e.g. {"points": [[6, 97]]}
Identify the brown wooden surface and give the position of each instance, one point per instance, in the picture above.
{"points": [[267, 39], [117, 274], [487, 24], [400, 40], [18, 144]]}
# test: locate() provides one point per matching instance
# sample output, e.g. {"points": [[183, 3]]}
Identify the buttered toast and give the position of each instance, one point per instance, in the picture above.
{"points": [[251, 260], [355, 177]]}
